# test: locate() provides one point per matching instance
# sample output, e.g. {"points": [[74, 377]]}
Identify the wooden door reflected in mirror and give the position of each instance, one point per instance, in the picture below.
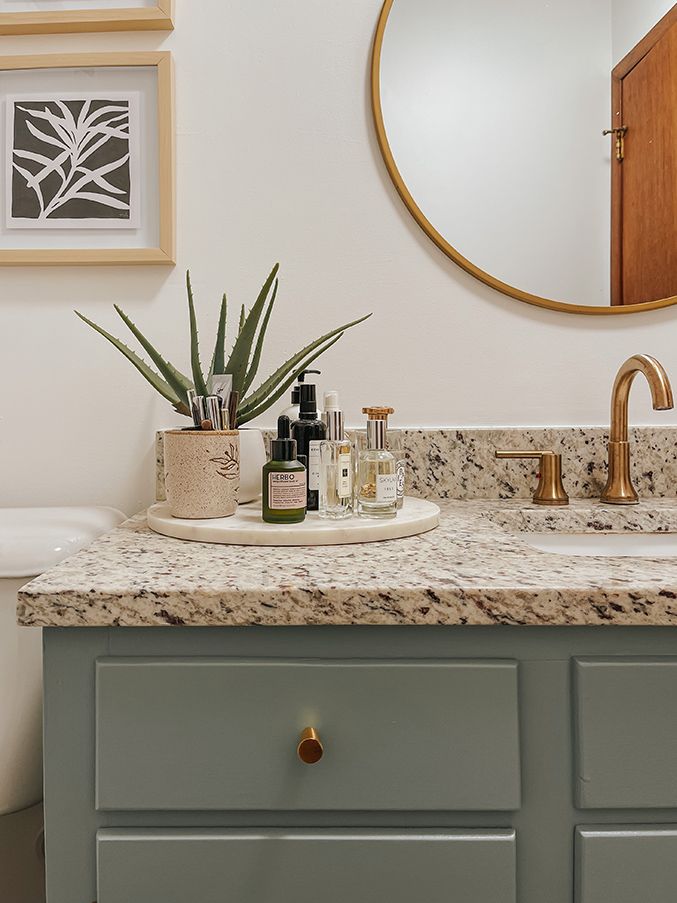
{"points": [[644, 187]]}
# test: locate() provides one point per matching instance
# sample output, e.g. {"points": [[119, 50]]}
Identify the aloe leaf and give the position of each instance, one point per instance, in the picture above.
{"points": [[219, 356], [270, 385], [244, 416], [178, 382], [243, 317], [238, 362], [256, 359], [153, 378], [198, 378]]}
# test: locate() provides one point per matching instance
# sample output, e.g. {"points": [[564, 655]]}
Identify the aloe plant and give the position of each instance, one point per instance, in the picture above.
{"points": [[242, 362]]}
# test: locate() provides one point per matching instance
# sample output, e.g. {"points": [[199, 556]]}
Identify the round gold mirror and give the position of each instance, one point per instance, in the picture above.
{"points": [[536, 144]]}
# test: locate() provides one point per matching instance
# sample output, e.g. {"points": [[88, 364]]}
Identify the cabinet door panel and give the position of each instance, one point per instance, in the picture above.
{"points": [[626, 720], [627, 865], [211, 734], [173, 866]]}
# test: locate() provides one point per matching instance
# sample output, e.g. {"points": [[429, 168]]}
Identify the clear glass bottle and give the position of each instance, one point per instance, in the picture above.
{"points": [[376, 471], [395, 444], [337, 464]]}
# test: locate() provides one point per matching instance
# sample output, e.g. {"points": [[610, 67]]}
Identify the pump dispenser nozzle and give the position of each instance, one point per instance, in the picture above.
{"points": [[301, 378]]}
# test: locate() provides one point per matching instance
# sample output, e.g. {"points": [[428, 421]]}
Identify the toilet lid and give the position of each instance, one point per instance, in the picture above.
{"points": [[32, 540]]}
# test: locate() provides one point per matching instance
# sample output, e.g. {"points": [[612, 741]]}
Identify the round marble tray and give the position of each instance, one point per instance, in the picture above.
{"points": [[246, 528]]}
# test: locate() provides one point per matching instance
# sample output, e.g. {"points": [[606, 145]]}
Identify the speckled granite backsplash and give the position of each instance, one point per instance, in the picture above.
{"points": [[460, 464]]}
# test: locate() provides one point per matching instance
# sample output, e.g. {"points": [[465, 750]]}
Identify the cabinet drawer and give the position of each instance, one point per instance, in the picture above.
{"points": [[216, 734], [626, 865], [175, 866], [626, 719]]}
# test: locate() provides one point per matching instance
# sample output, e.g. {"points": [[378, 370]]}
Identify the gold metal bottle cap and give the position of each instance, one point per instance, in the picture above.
{"points": [[378, 413]]}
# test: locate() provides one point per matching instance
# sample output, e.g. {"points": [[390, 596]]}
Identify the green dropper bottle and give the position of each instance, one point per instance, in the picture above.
{"points": [[284, 480]]}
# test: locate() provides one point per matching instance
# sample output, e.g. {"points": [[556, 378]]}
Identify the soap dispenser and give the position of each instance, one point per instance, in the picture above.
{"points": [[309, 431], [284, 480], [293, 410]]}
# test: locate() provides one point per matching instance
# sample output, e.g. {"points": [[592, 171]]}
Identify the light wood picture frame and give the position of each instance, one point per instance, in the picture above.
{"points": [[164, 251], [148, 18]]}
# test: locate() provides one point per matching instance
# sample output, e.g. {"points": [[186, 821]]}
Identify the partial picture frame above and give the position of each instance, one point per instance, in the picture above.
{"points": [[52, 17], [87, 159]]}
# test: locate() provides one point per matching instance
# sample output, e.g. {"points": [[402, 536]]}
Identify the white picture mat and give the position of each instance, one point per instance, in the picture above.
{"points": [[134, 220], [52, 6], [123, 80]]}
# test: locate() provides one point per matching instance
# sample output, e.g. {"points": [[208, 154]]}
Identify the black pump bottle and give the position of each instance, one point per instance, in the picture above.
{"points": [[309, 431]]}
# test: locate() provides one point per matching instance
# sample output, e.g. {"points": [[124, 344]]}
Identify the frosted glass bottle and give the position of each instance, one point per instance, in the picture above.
{"points": [[336, 479], [337, 464]]}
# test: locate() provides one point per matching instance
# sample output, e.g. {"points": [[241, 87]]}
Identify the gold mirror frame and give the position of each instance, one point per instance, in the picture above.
{"points": [[439, 239]]}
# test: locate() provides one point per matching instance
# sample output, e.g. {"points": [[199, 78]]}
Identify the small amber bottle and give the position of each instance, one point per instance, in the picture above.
{"points": [[284, 480]]}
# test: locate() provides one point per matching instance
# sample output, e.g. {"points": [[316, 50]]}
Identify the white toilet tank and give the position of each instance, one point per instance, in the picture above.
{"points": [[31, 541]]}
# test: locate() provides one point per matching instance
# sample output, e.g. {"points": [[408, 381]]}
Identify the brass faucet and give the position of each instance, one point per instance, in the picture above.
{"points": [[619, 489], [550, 490]]}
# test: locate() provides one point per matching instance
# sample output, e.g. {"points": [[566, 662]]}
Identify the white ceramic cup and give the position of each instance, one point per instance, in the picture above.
{"points": [[202, 472]]}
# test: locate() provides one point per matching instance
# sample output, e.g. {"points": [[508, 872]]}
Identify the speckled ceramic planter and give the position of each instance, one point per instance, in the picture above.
{"points": [[202, 472]]}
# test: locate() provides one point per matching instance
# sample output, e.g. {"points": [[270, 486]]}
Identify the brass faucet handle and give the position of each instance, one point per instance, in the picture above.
{"points": [[550, 489]]}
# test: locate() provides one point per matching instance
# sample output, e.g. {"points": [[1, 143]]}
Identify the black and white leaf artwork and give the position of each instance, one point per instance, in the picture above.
{"points": [[72, 162]]}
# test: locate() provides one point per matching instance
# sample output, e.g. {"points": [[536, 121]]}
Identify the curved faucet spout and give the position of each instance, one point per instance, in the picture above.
{"points": [[661, 391], [619, 489]]}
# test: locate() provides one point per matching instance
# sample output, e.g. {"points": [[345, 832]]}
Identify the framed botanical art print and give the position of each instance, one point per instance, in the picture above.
{"points": [[87, 170], [57, 16]]}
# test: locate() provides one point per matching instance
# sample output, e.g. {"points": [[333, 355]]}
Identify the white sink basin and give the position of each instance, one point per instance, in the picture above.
{"points": [[606, 545]]}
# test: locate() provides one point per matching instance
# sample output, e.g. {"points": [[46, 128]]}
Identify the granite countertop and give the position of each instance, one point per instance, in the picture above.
{"points": [[473, 569]]}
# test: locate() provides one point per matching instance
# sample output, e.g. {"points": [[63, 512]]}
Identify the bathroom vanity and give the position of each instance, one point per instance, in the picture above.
{"points": [[494, 723]]}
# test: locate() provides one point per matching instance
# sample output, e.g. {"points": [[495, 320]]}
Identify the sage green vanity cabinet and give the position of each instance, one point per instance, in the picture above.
{"points": [[215, 734], [626, 865], [626, 718], [199, 866], [461, 765]]}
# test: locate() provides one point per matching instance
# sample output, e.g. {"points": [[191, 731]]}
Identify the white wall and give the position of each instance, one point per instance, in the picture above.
{"points": [[277, 159], [494, 112], [632, 20]]}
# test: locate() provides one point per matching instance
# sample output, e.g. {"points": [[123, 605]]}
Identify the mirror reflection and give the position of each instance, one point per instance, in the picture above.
{"points": [[536, 141]]}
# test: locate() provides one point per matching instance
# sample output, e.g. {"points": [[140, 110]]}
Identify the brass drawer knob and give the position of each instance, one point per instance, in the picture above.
{"points": [[310, 749]]}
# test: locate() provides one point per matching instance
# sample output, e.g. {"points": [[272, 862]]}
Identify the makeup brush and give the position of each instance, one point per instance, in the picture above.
{"points": [[213, 407], [192, 407], [233, 401], [199, 410]]}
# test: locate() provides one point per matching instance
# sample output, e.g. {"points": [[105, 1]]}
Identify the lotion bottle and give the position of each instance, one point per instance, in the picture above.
{"points": [[309, 431], [284, 480]]}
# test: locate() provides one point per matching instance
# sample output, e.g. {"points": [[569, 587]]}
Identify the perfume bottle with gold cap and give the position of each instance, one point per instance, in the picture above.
{"points": [[394, 443], [376, 469]]}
